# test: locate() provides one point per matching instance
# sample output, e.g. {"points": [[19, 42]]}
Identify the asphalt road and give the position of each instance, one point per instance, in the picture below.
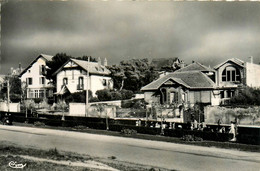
{"points": [[152, 153]]}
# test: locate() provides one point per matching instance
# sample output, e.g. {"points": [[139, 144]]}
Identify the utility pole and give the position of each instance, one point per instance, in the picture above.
{"points": [[87, 87], [8, 95]]}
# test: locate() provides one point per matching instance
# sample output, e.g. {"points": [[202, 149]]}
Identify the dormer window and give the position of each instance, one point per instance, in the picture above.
{"points": [[231, 74]]}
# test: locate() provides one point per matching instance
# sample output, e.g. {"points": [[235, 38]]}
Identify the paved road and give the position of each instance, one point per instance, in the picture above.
{"points": [[152, 153]]}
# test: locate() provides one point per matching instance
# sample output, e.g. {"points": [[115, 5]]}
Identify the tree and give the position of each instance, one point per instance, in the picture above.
{"points": [[78, 97], [15, 89], [85, 58], [247, 96], [57, 61], [132, 74]]}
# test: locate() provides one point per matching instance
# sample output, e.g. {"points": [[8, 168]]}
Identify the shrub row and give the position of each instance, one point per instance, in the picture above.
{"points": [[99, 123]]}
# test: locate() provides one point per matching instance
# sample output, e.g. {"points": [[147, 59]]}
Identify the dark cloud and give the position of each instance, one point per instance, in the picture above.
{"points": [[208, 32]]}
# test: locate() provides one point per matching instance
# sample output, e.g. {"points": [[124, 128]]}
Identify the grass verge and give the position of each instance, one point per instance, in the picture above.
{"points": [[54, 160]]}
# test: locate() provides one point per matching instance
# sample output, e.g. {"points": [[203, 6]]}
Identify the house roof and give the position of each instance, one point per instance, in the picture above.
{"points": [[94, 67], [191, 80], [234, 60], [196, 66], [158, 63], [46, 57]]}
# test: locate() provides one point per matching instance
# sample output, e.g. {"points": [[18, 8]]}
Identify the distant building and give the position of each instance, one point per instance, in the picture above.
{"points": [[167, 64], [16, 71], [72, 77], [33, 77]]}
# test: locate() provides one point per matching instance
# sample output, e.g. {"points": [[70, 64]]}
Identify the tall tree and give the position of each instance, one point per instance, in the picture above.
{"points": [[132, 74], [15, 89]]}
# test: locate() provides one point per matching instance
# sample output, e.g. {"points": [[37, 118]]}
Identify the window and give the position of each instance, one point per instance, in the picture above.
{"points": [[80, 83], [231, 73], [36, 95], [222, 94], [42, 80], [41, 93], [65, 81], [31, 94], [29, 81], [42, 69], [104, 82]]}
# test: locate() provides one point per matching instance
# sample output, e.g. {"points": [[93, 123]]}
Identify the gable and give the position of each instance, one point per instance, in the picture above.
{"points": [[71, 64]]}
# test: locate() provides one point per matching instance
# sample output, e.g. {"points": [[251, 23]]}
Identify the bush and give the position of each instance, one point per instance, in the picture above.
{"points": [[248, 96], [94, 99], [108, 95], [78, 97], [37, 100]]}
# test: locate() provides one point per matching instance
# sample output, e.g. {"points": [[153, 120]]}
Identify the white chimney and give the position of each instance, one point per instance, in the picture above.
{"points": [[99, 60], [105, 62], [251, 59]]}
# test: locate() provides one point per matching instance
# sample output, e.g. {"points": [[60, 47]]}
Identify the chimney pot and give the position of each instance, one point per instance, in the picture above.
{"points": [[105, 62]]}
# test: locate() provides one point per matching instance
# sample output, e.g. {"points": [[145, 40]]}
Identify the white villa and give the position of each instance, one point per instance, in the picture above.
{"points": [[72, 77], [33, 78]]}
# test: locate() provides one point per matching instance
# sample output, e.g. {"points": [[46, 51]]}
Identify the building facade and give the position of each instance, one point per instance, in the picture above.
{"points": [[34, 81], [234, 74], [189, 83], [72, 76]]}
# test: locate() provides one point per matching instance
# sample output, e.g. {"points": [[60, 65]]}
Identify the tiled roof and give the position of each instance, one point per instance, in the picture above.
{"points": [[46, 57], [196, 66], [94, 67], [234, 60], [192, 80]]}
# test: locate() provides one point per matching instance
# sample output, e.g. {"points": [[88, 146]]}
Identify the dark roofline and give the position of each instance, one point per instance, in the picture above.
{"points": [[75, 60], [228, 60], [41, 55], [205, 68], [58, 70]]}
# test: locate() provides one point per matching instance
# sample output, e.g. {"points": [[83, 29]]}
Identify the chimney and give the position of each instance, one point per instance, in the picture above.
{"points": [[20, 67], [251, 59], [99, 60], [105, 62], [12, 69], [182, 64]]}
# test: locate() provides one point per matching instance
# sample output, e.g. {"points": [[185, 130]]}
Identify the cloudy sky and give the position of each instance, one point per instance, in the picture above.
{"points": [[207, 32]]}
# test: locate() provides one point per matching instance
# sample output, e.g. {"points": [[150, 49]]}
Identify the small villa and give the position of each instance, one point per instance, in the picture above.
{"points": [[72, 77]]}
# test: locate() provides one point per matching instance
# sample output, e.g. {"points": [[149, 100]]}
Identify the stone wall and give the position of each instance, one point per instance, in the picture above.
{"points": [[245, 116]]}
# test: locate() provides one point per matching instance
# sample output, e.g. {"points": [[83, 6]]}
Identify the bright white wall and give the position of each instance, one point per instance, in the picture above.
{"points": [[34, 73], [252, 75], [13, 107], [95, 81]]}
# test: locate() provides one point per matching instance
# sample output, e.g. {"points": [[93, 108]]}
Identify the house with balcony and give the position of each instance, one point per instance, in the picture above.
{"points": [[73, 77], [34, 81], [232, 75]]}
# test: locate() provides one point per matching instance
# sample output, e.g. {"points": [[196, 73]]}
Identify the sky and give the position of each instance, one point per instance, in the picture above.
{"points": [[206, 32]]}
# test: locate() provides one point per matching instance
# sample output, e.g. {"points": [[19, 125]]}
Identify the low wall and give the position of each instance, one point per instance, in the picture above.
{"points": [[13, 107], [78, 109], [245, 116]]}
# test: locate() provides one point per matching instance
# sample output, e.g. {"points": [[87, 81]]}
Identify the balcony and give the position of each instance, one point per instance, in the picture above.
{"points": [[80, 86]]}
